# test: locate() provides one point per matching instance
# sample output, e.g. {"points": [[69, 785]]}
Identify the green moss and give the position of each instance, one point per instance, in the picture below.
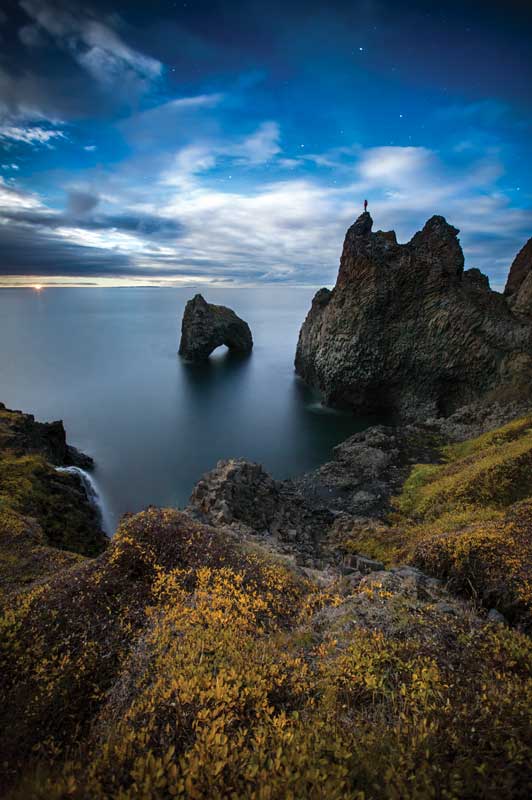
{"points": [[31, 487], [513, 430], [491, 472], [467, 520]]}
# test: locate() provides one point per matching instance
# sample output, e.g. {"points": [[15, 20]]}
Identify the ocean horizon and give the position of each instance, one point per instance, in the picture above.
{"points": [[106, 363]]}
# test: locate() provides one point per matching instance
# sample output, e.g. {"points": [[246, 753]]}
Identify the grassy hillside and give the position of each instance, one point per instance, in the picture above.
{"points": [[183, 663], [180, 664], [468, 520]]}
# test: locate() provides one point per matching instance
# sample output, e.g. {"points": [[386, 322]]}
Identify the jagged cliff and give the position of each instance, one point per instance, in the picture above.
{"points": [[518, 290], [406, 329], [46, 519]]}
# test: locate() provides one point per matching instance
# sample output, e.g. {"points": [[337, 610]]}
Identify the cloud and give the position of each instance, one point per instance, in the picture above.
{"points": [[80, 203], [483, 111], [95, 46], [129, 231], [180, 103], [250, 151], [190, 221], [173, 123], [25, 250], [34, 135], [31, 36], [13, 198], [394, 166], [261, 146]]}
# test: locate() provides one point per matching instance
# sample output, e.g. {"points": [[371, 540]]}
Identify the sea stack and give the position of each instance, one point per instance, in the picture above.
{"points": [[407, 330], [206, 326]]}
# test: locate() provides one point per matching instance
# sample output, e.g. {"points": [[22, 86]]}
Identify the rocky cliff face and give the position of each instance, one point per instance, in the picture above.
{"points": [[41, 508], [518, 289], [206, 326], [407, 330], [21, 434]]}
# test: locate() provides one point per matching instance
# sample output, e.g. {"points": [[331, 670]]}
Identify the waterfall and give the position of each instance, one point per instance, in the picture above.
{"points": [[93, 495]]}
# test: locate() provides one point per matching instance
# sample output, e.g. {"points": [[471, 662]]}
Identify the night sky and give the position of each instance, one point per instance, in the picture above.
{"points": [[233, 142]]}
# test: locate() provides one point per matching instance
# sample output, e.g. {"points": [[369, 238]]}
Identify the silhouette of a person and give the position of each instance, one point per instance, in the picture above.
{"points": [[365, 205]]}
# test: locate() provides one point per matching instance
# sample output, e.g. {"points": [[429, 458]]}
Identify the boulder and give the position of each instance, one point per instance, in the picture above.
{"points": [[206, 326], [241, 494], [406, 330]]}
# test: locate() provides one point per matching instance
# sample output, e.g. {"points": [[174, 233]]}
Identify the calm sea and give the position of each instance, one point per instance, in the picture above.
{"points": [[105, 361]]}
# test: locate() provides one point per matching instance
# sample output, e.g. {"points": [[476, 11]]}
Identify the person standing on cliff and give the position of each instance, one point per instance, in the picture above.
{"points": [[365, 206]]}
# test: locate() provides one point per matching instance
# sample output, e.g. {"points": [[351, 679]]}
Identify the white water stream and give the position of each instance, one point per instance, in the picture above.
{"points": [[93, 495]]}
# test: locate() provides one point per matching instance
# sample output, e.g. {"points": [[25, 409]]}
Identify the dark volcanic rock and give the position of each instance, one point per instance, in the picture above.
{"points": [[205, 327], [367, 469], [240, 493], [407, 330], [518, 290], [21, 434]]}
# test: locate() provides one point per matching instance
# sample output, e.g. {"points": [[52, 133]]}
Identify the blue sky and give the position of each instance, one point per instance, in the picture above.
{"points": [[232, 143]]}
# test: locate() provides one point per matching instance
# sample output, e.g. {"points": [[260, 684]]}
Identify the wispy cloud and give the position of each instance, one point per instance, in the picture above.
{"points": [[484, 111], [94, 45], [192, 221], [250, 151], [34, 135]]}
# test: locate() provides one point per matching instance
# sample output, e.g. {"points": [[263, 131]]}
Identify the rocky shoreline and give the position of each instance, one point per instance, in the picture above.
{"points": [[267, 609], [298, 515]]}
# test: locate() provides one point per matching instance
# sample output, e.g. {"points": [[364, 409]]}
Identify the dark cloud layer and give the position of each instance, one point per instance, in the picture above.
{"points": [[146, 225]]}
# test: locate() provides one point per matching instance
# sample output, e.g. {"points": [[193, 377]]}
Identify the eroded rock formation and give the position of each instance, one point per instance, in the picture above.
{"points": [[241, 494], [518, 289], [406, 329], [206, 326]]}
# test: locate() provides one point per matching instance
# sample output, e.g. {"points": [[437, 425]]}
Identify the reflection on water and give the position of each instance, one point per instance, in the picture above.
{"points": [[105, 361], [208, 377]]}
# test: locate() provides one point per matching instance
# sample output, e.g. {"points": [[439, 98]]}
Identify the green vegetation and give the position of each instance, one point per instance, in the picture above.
{"points": [[468, 520], [179, 665], [45, 518], [183, 663], [31, 487]]}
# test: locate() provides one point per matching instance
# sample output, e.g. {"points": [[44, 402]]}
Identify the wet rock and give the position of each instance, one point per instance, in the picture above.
{"points": [[206, 326], [406, 330], [368, 468]]}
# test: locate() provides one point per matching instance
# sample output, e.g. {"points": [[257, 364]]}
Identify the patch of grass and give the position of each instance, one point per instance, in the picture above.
{"points": [[492, 476], [30, 487], [467, 520], [507, 433]]}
